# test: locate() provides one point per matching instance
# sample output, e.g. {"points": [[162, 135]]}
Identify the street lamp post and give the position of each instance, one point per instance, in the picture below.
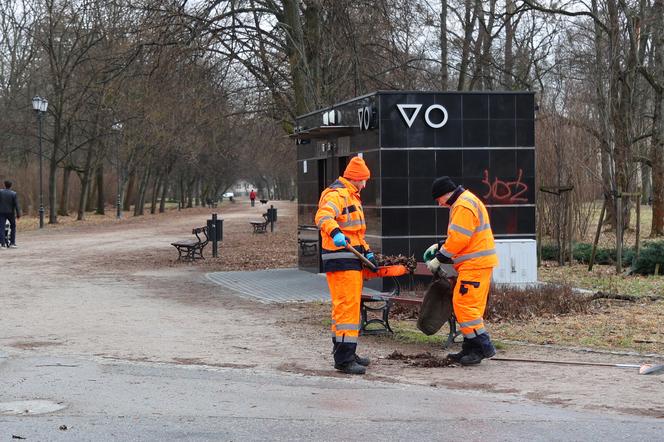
{"points": [[117, 127], [40, 105]]}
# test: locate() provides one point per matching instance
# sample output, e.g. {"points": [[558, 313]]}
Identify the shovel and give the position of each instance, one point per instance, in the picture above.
{"points": [[643, 368], [363, 258]]}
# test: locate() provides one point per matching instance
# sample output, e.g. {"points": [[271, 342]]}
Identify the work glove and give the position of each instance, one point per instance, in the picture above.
{"points": [[339, 239], [433, 265], [372, 258], [430, 252]]}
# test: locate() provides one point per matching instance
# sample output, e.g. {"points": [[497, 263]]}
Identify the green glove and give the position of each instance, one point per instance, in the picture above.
{"points": [[430, 252]]}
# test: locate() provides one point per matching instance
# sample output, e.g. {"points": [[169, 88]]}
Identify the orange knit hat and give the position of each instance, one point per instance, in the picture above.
{"points": [[357, 170]]}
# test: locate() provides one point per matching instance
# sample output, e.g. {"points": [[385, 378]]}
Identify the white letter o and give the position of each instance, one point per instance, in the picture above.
{"points": [[435, 125]]}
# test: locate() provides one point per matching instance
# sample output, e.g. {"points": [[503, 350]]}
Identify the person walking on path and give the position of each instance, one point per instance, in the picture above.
{"points": [[9, 210], [469, 246], [252, 197], [341, 221]]}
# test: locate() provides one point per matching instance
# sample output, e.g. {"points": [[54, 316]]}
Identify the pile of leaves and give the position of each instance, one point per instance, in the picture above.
{"points": [[387, 260]]}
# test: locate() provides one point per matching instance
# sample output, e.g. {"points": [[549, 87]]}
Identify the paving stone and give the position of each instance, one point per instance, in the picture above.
{"points": [[278, 285]]}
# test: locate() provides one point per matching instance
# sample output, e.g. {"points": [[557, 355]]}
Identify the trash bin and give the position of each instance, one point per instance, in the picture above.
{"points": [[219, 229], [272, 214]]}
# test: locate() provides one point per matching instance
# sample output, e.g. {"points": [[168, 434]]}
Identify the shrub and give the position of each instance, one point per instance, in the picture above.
{"points": [[509, 302], [651, 254], [582, 252]]}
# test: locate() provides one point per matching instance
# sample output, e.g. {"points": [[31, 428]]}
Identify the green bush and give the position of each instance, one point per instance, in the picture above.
{"points": [[651, 254], [581, 252]]}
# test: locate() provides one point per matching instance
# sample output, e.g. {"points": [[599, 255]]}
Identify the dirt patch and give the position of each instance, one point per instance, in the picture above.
{"points": [[31, 345], [426, 360]]}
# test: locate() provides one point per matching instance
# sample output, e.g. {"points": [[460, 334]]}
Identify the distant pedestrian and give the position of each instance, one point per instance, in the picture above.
{"points": [[9, 211], [252, 197]]}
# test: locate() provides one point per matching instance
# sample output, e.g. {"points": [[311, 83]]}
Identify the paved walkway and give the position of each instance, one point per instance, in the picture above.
{"points": [[279, 285]]}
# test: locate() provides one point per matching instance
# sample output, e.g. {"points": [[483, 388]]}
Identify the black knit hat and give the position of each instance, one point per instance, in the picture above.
{"points": [[441, 186]]}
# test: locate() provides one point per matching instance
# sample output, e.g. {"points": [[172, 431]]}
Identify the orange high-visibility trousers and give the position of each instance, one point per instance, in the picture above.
{"points": [[345, 291], [469, 300]]}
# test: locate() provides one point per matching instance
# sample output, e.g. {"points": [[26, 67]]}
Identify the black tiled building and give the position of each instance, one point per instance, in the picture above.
{"points": [[484, 141]]}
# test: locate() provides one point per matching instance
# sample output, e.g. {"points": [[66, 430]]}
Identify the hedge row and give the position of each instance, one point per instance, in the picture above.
{"points": [[651, 254]]}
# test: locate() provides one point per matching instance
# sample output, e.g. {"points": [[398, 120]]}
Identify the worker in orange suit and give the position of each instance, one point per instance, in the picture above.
{"points": [[341, 221], [469, 246]]}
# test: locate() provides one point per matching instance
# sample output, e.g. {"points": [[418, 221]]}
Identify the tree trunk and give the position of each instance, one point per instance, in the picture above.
{"points": [[52, 181], [155, 191], [139, 206], [657, 146], [85, 185], [468, 24], [508, 75], [101, 197], [444, 74], [92, 195], [63, 208], [162, 201], [295, 50], [129, 194]]}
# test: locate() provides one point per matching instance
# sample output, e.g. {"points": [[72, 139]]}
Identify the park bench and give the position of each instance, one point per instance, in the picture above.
{"points": [[308, 247], [260, 226], [191, 249], [382, 303], [263, 201]]}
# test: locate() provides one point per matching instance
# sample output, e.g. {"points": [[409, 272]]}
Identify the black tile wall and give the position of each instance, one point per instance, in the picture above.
{"points": [[501, 106], [475, 107], [449, 162], [525, 219], [395, 222], [395, 246], [525, 161], [394, 163], [450, 135], [422, 221], [525, 133], [442, 219], [452, 103], [525, 106], [422, 163], [393, 133], [419, 245], [369, 195], [475, 162], [503, 163], [475, 133], [420, 192], [502, 133], [394, 192], [503, 220]]}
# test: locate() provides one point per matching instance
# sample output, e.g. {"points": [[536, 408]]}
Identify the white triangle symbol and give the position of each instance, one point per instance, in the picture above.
{"points": [[402, 107]]}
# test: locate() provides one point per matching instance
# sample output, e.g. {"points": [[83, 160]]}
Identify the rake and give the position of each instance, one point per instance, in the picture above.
{"points": [[643, 368]]}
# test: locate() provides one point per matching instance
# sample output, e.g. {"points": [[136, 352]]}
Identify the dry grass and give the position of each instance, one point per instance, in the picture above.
{"points": [[509, 303]]}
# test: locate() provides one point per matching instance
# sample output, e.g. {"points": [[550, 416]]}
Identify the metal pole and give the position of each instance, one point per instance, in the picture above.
{"points": [[619, 233], [271, 218], [41, 186], [214, 235], [118, 202]]}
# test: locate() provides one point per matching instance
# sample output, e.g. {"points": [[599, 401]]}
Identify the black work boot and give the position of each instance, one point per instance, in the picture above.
{"points": [[362, 361], [484, 343], [472, 358], [466, 346], [350, 367]]}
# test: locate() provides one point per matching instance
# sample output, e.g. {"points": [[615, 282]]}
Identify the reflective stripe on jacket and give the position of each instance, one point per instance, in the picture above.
{"points": [[340, 210], [469, 240]]}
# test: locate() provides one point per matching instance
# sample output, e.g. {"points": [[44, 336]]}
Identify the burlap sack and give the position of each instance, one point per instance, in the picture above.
{"points": [[436, 307]]}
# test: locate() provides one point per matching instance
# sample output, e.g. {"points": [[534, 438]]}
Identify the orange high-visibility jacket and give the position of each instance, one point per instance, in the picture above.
{"points": [[340, 210], [469, 240]]}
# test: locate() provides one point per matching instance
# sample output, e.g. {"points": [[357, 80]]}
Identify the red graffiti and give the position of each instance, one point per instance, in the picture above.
{"points": [[507, 192]]}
